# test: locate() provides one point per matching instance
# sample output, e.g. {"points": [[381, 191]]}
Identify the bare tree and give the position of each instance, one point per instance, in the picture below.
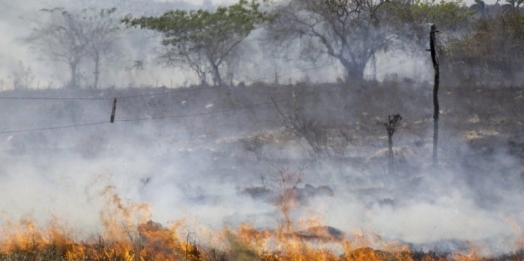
{"points": [[61, 39], [347, 30], [102, 37], [22, 76], [70, 38], [391, 127], [309, 130], [253, 144]]}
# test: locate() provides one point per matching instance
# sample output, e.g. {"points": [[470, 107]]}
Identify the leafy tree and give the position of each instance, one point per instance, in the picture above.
{"points": [[491, 51], [346, 30], [447, 15], [513, 5], [70, 38], [203, 39], [479, 7]]}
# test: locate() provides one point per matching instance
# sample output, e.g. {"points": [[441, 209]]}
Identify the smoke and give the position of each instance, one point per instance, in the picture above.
{"points": [[196, 169], [202, 174]]}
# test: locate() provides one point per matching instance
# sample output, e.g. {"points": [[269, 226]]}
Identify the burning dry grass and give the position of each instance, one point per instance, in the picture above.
{"points": [[158, 243], [155, 242], [129, 235]]}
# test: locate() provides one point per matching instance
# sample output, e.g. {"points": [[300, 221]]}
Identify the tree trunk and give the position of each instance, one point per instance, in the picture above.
{"points": [[217, 78], [355, 74], [97, 71], [202, 76], [354, 70], [73, 82]]}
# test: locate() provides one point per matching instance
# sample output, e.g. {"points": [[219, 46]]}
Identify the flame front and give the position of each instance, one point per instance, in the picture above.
{"points": [[130, 235]]}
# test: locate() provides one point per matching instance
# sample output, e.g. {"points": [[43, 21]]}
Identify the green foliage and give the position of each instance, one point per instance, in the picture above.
{"points": [[513, 5], [445, 14], [494, 48], [201, 26], [202, 36]]}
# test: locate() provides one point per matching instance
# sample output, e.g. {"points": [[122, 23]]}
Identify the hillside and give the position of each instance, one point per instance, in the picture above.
{"points": [[225, 154]]}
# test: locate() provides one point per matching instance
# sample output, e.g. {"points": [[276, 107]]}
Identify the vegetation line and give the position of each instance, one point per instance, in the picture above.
{"points": [[179, 90]]}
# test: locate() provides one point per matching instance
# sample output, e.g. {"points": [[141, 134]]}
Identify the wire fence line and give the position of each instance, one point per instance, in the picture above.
{"points": [[54, 128], [247, 107], [251, 106], [50, 98]]}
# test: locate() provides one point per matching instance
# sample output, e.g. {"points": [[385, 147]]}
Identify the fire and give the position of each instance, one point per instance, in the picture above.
{"points": [[156, 242], [55, 241], [128, 235], [25, 236], [310, 239], [472, 255], [318, 243], [119, 218], [131, 235]]}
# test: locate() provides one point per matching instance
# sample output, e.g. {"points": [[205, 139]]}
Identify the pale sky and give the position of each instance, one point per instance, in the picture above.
{"points": [[200, 2]]}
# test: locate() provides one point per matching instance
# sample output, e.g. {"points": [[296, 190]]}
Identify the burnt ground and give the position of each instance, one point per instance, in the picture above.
{"points": [[318, 139]]}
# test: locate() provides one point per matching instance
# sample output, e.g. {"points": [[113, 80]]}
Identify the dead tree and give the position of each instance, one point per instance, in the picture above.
{"points": [[253, 144], [311, 131], [391, 127]]}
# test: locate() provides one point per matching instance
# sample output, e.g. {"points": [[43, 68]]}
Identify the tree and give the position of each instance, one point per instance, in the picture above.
{"points": [[101, 38], [391, 127], [353, 31], [513, 5], [22, 76], [347, 30], [447, 15], [480, 8], [491, 52], [72, 37], [61, 39], [203, 39]]}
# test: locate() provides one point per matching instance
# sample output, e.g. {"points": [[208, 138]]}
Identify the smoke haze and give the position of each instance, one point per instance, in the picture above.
{"points": [[201, 169]]}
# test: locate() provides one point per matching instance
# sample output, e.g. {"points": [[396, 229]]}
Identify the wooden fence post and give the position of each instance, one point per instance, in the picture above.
{"points": [[112, 120]]}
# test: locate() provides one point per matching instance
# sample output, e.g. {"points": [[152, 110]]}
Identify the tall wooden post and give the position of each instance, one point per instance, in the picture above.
{"points": [[436, 112]]}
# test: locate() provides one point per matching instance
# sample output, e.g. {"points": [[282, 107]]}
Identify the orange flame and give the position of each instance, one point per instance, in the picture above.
{"points": [[130, 235]]}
